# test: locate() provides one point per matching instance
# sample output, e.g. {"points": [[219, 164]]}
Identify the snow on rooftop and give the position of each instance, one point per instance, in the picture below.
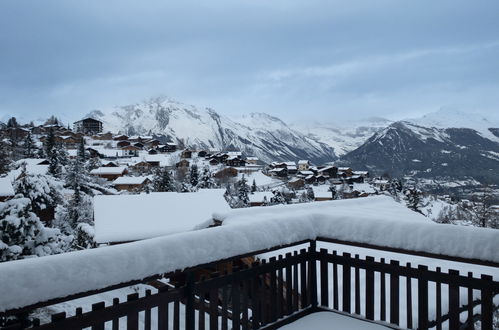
{"points": [[377, 220], [122, 218], [108, 170], [6, 188], [131, 180], [259, 196]]}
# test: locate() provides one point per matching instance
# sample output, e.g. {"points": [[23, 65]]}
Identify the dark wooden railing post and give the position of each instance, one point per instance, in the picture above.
{"points": [[369, 289], [394, 292], [346, 282], [453, 299], [324, 278], [313, 274], [487, 310], [422, 297], [189, 301]]}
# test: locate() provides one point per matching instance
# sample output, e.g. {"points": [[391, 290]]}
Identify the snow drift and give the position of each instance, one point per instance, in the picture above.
{"points": [[375, 220]]}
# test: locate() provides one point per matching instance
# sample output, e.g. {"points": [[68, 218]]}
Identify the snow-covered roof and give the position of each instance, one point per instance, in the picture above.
{"points": [[134, 217], [252, 158], [258, 196], [108, 170], [303, 162], [6, 187], [307, 172], [290, 163], [131, 180], [363, 220]]}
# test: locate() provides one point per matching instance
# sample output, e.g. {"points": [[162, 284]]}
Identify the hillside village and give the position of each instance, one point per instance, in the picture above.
{"points": [[62, 170]]}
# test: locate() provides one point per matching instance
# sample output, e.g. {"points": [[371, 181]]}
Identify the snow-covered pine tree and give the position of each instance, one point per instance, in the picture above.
{"points": [[253, 186], [194, 176], [29, 146], [23, 234], [4, 158], [52, 154], [206, 181], [332, 190], [62, 154], [310, 193], [414, 199], [43, 191], [242, 193], [81, 153], [278, 198], [163, 180]]}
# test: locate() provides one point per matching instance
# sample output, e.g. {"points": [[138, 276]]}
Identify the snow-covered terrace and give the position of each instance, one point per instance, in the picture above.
{"points": [[378, 221]]}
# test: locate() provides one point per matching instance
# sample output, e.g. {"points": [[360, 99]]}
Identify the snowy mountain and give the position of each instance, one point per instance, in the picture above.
{"points": [[344, 136], [256, 134], [406, 148]]}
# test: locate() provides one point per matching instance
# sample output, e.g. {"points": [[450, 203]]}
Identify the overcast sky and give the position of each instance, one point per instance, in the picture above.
{"points": [[320, 60]]}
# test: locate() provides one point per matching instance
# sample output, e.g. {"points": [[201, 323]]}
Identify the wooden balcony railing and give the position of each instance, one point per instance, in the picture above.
{"points": [[270, 293]]}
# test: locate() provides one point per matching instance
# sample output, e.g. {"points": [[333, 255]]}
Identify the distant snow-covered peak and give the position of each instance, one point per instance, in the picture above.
{"points": [[457, 118]]}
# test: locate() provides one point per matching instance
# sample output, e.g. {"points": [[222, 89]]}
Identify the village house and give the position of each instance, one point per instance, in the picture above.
{"points": [[130, 151], [183, 163], [328, 171], [131, 183], [281, 172], [296, 183], [108, 163], [88, 126], [252, 160], [120, 138], [142, 167], [228, 172], [123, 143], [345, 171], [186, 154], [103, 136], [235, 161], [303, 165], [168, 147], [110, 173]]}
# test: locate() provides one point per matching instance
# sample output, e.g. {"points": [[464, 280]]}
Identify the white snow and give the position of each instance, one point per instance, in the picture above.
{"points": [[376, 220], [108, 170], [121, 218], [131, 180], [6, 188], [331, 321]]}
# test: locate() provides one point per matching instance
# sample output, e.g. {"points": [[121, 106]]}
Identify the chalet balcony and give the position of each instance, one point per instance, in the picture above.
{"points": [[294, 273]]}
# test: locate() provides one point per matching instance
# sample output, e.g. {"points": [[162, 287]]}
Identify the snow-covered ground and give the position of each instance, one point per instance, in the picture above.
{"points": [[124, 218], [374, 220]]}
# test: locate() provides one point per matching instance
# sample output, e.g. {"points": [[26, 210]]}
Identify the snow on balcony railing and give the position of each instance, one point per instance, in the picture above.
{"points": [[377, 220]]}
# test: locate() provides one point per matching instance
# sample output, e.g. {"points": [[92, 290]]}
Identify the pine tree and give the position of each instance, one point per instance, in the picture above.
{"points": [[278, 198], [242, 193], [310, 193], [4, 158], [414, 199], [163, 181], [81, 150], [12, 123], [206, 181], [253, 186], [52, 154], [332, 190], [29, 146], [43, 191], [23, 234], [194, 176]]}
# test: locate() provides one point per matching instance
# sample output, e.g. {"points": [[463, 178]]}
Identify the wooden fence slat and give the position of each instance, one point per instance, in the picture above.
{"points": [[289, 286], [422, 297], [408, 300], [438, 302], [335, 285], [147, 314], [236, 307], [163, 311], [324, 278], [453, 300], [96, 307], [394, 293], [295, 285], [303, 281], [382, 296], [132, 319], [116, 321], [357, 286], [487, 305], [346, 284], [273, 294], [280, 290], [369, 297]]}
